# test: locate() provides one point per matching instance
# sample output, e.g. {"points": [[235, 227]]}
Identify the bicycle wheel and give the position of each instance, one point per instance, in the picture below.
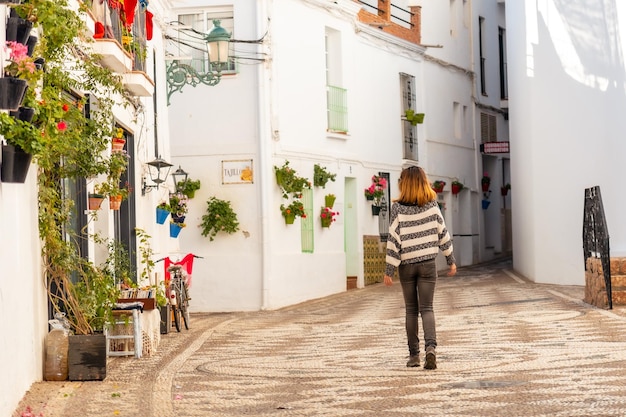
{"points": [[176, 311], [184, 304]]}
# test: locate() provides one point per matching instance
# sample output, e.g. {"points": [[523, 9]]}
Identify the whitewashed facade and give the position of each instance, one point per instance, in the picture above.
{"points": [[273, 109], [566, 130]]}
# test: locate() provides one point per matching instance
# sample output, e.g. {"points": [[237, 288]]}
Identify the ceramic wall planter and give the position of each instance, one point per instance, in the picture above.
{"points": [[290, 218], [375, 210], [329, 201], [485, 186], [178, 219], [161, 215], [15, 164], [326, 222], [485, 204], [12, 91], [175, 229], [456, 188]]}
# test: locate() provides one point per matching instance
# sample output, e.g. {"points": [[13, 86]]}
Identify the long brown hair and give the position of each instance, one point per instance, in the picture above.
{"points": [[415, 187]]}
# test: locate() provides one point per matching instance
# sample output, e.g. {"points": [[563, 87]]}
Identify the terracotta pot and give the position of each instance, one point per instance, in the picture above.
{"points": [[115, 202], [95, 201], [117, 144]]}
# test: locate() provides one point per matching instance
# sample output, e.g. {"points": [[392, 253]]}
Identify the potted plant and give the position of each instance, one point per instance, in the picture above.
{"points": [[485, 182], [456, 186], [95, 201], [412, 117], [20, 72], [219, 217], [289, 212], [118, 141], [178, 207], [321, 176], [162, 212], [327, 216], [329, 200], [376, 190], [438, 186], [176, 227], [189, 187], [289, 181], [505, 189]]}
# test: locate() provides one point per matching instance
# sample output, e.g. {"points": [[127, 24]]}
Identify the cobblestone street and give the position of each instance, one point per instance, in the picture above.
{"points": [[507, 347]]}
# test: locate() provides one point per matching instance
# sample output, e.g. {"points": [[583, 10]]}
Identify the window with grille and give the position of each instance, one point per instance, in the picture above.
{"points": [[488, 131], [409, 132], [191, 31], [306, 223], [336, 96]]}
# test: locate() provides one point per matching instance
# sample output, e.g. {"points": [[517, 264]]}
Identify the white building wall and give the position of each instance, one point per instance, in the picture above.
{"points": [[566, 132], [23, 296]]}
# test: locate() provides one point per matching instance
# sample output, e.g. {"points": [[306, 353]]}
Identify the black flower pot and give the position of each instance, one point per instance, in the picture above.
{"points": [[12, 91], [30, 43], [23, 113], [15, 164], [18, 30]]}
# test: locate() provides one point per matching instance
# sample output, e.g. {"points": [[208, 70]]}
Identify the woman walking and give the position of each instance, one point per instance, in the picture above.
{"points": [[417, 232]]}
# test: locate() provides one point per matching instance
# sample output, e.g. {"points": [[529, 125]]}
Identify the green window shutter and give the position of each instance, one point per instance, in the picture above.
{"points": [[306, 224]]}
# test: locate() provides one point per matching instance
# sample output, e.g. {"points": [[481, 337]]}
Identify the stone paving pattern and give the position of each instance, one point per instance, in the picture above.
{"points": [[507, 347]]}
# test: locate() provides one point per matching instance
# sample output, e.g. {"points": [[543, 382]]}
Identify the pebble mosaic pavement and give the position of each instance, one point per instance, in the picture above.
{"points": [[507, 347]]}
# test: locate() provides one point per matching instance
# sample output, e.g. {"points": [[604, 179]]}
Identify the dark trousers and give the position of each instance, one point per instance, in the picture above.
{"points": [[418, 287]]}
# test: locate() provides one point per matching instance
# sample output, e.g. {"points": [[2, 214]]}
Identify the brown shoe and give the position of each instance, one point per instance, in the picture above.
{"points": [[431, 359], [413, 361]]}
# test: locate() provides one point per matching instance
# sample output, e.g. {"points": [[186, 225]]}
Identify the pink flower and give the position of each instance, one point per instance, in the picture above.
{"points": [[18, 51]]}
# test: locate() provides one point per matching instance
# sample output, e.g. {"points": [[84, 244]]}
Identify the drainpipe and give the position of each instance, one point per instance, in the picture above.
{"points": [[264, 75]]}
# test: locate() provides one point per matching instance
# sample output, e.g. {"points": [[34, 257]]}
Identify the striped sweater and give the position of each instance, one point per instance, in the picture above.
{"points": [[416, 234]]}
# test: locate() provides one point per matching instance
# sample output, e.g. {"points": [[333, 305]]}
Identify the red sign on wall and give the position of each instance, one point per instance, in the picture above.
{"points": [[494, 147]]}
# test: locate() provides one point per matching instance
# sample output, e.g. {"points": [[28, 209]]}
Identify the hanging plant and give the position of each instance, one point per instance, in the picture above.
{"points": [[289, 181], [321, 176], [219, 217], [438, 186]]}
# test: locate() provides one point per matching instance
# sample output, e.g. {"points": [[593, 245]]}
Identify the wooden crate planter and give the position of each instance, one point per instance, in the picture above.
{"points": [[87, 359]]}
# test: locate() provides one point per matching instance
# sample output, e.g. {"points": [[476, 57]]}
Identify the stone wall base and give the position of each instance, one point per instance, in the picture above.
{"points": [[595, 289]]}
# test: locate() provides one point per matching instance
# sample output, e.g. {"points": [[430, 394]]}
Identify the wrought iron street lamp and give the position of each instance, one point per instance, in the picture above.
{"points": [[156, 176]]}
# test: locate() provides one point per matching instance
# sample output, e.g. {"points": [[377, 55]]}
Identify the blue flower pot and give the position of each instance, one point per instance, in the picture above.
{"points": [[175, 229], [486, 204], [161, 215]]}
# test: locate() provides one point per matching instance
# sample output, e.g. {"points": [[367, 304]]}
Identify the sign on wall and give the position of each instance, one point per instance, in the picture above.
{"points": [[237, 172], [494, 147]]}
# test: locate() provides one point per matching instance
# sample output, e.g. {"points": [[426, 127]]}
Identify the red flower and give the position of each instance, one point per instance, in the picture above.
{"points": [[61, 125], [66, 107]]}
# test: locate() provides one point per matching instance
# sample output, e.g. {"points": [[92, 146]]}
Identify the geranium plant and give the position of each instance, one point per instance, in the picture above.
{"points": [[376, 190], [327, 216], [20, 64], [296, 208]]}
